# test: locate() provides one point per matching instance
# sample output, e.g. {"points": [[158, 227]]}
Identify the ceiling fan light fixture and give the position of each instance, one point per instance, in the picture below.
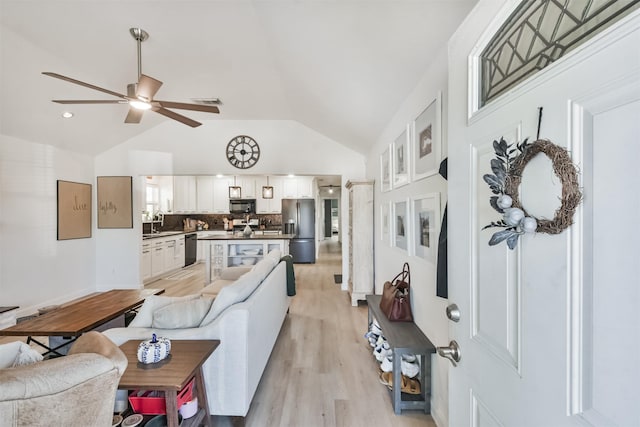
{"points": [[139, 105]]}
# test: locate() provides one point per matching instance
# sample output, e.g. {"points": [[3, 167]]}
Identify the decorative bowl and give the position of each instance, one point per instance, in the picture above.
{"points": [[248, 261], [251, 251]]}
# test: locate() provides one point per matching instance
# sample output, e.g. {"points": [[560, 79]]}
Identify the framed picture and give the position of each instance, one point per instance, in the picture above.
{"points": [[74, 210], [115, 202], [385, 225], [401, 159], [401, 225], [426, 145], [425, 214], [385, 170]]}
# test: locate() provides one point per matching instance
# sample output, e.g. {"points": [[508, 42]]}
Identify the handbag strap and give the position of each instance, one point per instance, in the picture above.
{"points": [[403, 276]]}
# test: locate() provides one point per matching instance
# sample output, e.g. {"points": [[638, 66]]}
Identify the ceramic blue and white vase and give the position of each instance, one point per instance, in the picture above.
{"points": [[154, 350]]}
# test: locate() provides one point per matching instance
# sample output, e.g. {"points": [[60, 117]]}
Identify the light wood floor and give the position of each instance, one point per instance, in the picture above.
{"points": [[321, 371]]}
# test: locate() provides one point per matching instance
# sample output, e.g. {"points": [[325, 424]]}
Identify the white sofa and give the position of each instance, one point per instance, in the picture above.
{"points": [[247, 330]]}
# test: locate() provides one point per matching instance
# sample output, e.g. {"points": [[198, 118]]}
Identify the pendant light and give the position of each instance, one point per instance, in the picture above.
{"points": [[267, 190], [235, 192]]}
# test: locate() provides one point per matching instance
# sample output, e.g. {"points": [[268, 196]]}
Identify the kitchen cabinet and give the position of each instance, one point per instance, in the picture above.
{"points": [[221, 195], [234, 252], [145, 261], [204, 194], [304, 186], [298, 187], [157, 257], [161, 255], [248, 185], [266, 206], [360, 240], [184, 194]]}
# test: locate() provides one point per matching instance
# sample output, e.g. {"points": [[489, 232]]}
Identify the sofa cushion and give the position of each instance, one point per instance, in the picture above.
{"points": [[8, 353], [144, 318], [238, 291], [233, 273], [182, 314], [264, 267], [215, 287]]}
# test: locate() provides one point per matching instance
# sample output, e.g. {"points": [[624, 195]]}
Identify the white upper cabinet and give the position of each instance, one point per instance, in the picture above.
{"points": [[221, 194], [298, 187], [184, 194], [248, 186], [274, 205], [204, 194]]}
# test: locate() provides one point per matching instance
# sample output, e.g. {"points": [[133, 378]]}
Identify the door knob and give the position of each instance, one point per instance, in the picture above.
{"points": [[452, 352], [453, 312]]}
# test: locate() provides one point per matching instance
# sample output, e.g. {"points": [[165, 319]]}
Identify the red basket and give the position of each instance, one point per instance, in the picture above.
{"points": [[143, 403]]}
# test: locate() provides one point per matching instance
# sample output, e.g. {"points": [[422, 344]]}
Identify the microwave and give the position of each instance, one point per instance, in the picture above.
{"points": [[242, 206]]}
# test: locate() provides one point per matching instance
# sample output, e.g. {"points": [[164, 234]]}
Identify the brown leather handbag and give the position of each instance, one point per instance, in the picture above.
{"points": [[395, 302]]}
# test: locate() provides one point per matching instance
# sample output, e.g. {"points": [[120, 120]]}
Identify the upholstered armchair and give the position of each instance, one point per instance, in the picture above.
{"points": [[76, 390]]}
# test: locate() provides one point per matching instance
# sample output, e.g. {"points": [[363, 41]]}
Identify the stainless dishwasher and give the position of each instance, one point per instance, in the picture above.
{"points": [[190, 248]]}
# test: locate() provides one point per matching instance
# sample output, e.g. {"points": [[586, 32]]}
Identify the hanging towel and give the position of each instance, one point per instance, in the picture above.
{"points": [[291, 277]]}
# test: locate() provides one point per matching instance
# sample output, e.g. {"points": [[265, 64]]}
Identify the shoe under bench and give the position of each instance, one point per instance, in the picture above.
{"points": [[405, 338]]}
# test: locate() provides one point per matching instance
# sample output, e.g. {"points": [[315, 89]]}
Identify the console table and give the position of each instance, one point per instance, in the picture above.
{"points": [[171, 375], [405, 338], [78, 317]]}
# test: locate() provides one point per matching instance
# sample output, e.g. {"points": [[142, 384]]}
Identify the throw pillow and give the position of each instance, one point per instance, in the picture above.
{"points": [[26, 356], [263, 268], [238, 291], [144, 318], [181, 315], [8, 353]]}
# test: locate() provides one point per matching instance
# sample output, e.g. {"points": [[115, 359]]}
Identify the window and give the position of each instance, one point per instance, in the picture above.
{"points": [[540, 32]]}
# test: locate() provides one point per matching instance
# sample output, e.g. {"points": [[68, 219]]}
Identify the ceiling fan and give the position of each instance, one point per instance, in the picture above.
{"points": [[139, 95]]}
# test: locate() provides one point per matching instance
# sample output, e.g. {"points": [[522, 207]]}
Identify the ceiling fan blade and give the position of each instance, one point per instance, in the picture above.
{"points": [[175, 116], [185, 106], [89, 101], [78, 82], [147, 87], [134, 115]]}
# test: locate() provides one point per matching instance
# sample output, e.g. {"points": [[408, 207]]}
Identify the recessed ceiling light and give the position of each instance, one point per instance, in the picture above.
{"points": [[67, 114]]}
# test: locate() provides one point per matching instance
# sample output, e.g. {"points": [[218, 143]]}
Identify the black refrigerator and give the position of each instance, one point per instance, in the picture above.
{"points": [[299, 218]]}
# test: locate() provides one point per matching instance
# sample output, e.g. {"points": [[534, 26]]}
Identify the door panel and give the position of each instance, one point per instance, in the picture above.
{"points": [[549, 333]]}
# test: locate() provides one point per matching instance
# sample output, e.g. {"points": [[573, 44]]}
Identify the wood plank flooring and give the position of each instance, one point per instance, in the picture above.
{"points": [[321, 371]]}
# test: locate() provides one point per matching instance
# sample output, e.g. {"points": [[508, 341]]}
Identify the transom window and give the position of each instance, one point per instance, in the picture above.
{"points": [[538, 33]]}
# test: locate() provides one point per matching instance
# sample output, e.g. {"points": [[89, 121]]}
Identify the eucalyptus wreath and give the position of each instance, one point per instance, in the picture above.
{"points": [[504, 183]]}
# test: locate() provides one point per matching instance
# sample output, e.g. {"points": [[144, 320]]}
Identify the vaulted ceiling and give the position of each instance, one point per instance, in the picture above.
{"points": [[340, 67]]}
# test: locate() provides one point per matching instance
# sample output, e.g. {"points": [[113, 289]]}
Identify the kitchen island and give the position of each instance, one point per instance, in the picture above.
{"points": [[233, 250]]}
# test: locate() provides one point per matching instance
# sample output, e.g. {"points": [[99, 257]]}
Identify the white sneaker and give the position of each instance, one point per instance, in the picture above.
{"points": [[410, 369], [381, 351], [387, 363]]}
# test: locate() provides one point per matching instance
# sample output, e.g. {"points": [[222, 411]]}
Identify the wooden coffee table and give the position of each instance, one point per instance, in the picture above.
{"points": [[171, 375], [78, 317]]}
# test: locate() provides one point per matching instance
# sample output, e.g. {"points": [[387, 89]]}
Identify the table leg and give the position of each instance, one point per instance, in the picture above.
{"points": [[52, 351], [201, 393], [171, 402]]}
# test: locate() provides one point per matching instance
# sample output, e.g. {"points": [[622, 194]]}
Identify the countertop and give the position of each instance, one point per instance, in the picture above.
{"points": [[223, 235], [254, 236]]}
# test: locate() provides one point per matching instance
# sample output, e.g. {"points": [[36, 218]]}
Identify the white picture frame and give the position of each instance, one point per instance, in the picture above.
{"points": [[385, 222], [386, 183], [425, 226], [426, 140], [400, 159], [401, 224]]}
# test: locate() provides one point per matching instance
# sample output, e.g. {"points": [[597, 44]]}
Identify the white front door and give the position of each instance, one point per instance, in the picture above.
{"points": [[550, 332]]}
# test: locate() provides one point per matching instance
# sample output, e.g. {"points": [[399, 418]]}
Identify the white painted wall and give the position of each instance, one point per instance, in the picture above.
{"points": [[428, 309], [35, 268], [172, 148]]}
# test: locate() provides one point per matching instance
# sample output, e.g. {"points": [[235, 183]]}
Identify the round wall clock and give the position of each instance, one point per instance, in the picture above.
{"points": [[243, 152]]}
